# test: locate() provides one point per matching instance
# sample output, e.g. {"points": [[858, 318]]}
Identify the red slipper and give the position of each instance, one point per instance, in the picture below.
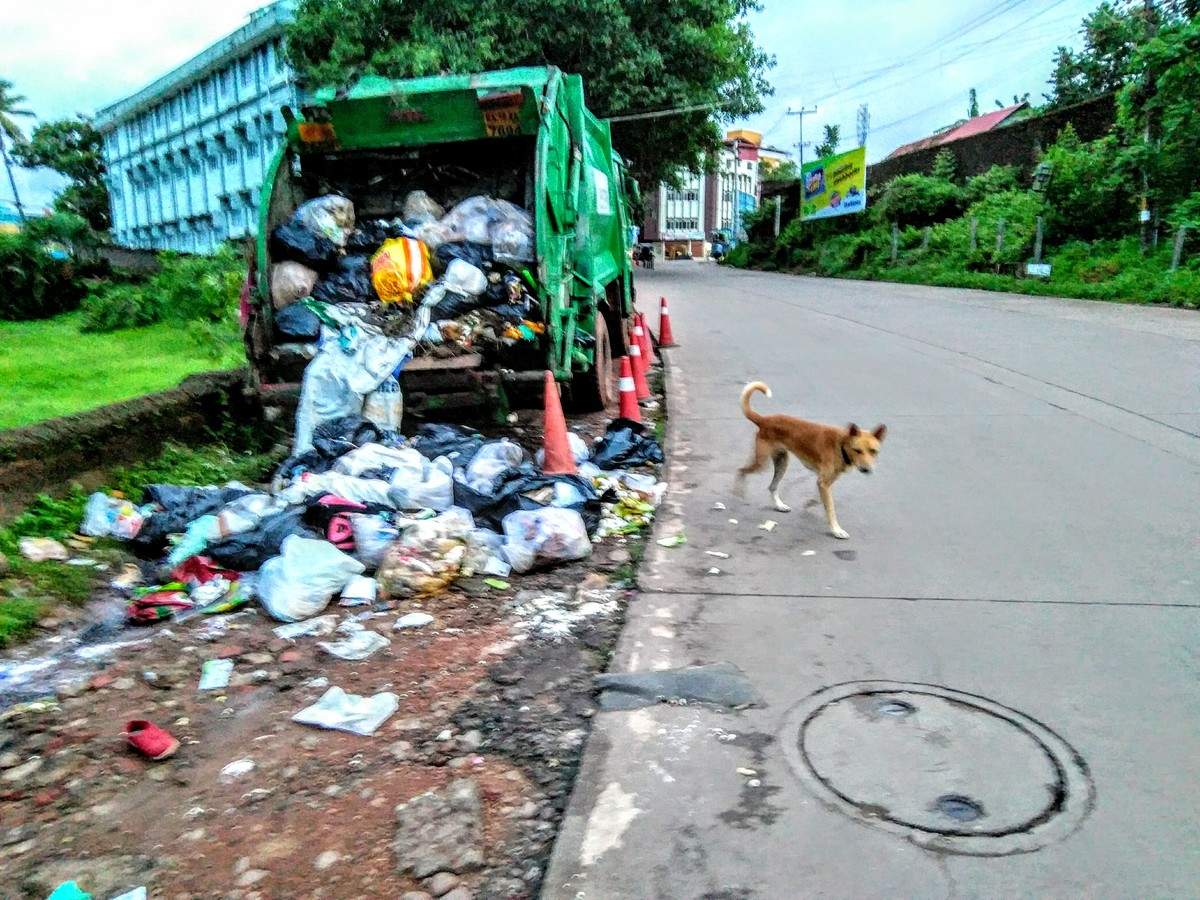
{"points": [[150, 740]]}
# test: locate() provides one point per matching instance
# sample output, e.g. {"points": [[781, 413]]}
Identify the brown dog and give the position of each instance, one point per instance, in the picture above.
{"points": [[827, 450]]}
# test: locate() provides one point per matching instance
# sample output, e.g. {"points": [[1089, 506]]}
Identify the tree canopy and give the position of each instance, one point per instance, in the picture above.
{"points": [[634, 56], [72, 148]]}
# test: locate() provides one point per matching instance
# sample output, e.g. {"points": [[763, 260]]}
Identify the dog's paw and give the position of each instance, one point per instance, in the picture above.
{"points": [[839, 533]]}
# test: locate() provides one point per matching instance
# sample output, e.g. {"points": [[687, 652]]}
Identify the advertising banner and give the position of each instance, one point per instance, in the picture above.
{"points": [[834, 185]]}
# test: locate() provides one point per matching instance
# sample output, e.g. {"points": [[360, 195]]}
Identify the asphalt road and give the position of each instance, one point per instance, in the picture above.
{"points": [[1021, 592]]}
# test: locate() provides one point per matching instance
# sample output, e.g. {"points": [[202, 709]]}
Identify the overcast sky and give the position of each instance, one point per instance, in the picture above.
{"points": [[911, 62]]}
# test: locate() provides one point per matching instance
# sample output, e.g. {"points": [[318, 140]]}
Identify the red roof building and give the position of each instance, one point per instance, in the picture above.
{"points": [[965, 129]]}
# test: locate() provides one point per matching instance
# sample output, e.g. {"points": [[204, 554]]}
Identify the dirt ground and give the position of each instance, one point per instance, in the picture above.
{"points": [[484, 695]]}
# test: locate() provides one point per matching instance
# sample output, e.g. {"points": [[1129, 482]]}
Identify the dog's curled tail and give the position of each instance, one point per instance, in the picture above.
{"points": [[747, 391]]}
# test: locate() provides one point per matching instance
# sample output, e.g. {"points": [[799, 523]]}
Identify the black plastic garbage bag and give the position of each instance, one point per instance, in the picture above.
{"points": [[296, 322], [458, 443], [453, 305], [478, 255], [511, 492], [246, 551], [331, 440], [350, 282], [371, 233], [179, 507], [294, 242], [625, 444]]}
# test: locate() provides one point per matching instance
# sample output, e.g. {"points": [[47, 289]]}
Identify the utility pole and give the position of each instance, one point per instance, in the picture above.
{"points": [[864, 125], [1146, 214], [801, 112]]}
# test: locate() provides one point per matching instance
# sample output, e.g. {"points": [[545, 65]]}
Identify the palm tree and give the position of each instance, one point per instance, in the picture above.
{"points": [[10, 106]]}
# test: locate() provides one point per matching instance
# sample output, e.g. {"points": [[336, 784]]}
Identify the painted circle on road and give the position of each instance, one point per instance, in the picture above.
{"points": [[948, 770]]}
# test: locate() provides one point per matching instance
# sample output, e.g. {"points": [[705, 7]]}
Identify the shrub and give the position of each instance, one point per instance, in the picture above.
{"points": [[37, 285], [918, 200], [1088, 197], [995, 180]]}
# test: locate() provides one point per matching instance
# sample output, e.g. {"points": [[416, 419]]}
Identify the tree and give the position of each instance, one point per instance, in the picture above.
{"points": [[71, 147], [972, 104], [945, 165], [10, 107], [1110, 35], [829, 141], [784, 171], [1016, 100], [634, 56]]}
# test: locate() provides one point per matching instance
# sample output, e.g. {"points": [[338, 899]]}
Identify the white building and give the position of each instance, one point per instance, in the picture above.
{"points": [[186, 155]]}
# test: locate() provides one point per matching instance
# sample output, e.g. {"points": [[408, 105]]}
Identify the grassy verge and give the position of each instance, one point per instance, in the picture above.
{"points": [[31, 590], [49, 368]]}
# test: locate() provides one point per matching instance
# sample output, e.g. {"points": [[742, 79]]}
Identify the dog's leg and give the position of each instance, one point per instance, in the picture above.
{"points": [[835, 529], [780, 459], [761, 452]]}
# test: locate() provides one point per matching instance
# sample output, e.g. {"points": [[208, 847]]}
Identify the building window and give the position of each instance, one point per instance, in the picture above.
{"points": [[248, 71]]}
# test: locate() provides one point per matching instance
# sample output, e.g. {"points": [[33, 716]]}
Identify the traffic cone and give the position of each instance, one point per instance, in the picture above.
{"points": [[629, 404], [557, 458], [665, 338], [647, 347], [638, 366]]}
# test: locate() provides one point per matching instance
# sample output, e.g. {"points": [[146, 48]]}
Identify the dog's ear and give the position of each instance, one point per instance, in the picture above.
{"points": [[880, 432], [852, 430]]}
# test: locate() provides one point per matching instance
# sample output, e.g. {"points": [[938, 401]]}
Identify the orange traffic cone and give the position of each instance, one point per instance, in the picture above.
{"points": [[647, 347], [629, 404], [638, 366], [665, 338], [557, 457]]}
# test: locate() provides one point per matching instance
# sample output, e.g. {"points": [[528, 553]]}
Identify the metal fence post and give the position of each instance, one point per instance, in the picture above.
{"points": [[1177, 253], [925, 237], [895, 242], [974, 234], [778, 207], [1037, 242], [999, 235]]}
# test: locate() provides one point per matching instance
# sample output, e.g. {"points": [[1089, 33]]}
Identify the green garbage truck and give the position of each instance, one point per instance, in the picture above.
{"points": [[520, 135]]}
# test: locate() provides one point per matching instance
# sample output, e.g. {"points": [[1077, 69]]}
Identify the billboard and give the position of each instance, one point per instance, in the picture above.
{"points": [[834, 185]]}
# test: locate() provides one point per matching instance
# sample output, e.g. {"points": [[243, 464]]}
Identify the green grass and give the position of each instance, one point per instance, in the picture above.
{"points": [[48, 368], [31, 589]]}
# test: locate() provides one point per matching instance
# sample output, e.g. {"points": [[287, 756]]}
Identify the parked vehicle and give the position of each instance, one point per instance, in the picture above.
{"points": [[520, 135]]}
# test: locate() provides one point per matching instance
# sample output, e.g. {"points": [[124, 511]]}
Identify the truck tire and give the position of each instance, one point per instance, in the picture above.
{"points": [[594, 390]]}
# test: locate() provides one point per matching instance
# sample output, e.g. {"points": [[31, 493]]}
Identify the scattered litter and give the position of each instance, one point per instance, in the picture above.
{"points": [[754, 782], [42, 550], [349, 712], [138, 893], [150, 740], [82, 561], [360, 590], [320, 626], [713, 570], [236, 769], [768, 525], [69, 890], [497, 584], [413, 620], [675, 540], [733, 521], [719, 554], [749, 773], [555, 614], [496, 566], [357, 643], [721, 683], [215, 674], [808, 553], [106, 516], [718, 505], [725, 737]]}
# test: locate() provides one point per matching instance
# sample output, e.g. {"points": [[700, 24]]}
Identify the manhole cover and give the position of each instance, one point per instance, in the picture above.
{"points": [[948, 770]]}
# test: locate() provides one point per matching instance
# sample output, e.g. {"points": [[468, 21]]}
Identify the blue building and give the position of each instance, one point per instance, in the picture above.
{"points": [[186, 155]]}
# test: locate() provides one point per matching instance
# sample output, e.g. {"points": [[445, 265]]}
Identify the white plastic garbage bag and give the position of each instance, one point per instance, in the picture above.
{"points": [[537, 536], [490, 461], [419, 209], [331, 215], [384, 406], [300, 582], [464, 278], [431, 488], [371, 457], [372, 535], [362, 490], [579, 450], [355, 643], [349, 712]]}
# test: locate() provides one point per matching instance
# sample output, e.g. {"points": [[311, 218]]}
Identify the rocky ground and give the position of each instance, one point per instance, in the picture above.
{"points": [[457, 795]]}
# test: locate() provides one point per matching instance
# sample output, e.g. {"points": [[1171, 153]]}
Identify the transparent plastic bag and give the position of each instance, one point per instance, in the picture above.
{"points": [[330, 215], [417, 569], [538, 536], [419, 209], [492, 459], [372, 536], [301, 581], [291, 281], [464, 278], [512, 241], [106, 516], [431, 488]]}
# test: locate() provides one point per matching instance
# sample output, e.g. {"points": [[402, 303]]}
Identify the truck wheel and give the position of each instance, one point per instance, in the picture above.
{"points": [[595, 390]]}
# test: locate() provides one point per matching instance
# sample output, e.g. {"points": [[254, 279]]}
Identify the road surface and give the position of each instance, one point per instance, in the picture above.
{"points": [[991, 688]]}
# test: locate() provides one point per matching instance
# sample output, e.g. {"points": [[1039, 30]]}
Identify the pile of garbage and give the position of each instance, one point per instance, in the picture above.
{"points": [[370, 517]]}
